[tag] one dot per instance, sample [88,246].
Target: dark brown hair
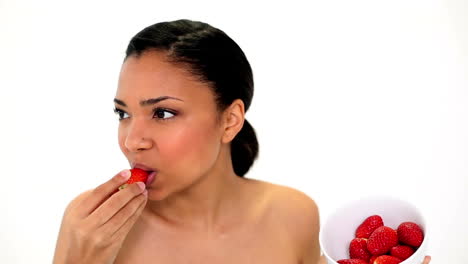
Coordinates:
[213,57]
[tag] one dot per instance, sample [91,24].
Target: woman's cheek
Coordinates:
[121,140]
[190,149]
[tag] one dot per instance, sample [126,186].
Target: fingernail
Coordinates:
[141,185]
[145,192]
[126,174]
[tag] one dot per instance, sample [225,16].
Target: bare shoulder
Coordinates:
[296,214]
[291,205]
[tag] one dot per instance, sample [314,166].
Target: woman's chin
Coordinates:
[156,195]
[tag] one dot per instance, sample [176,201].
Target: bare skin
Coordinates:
[260,232]
[197,210]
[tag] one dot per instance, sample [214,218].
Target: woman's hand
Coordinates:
[96,222]
[426,260]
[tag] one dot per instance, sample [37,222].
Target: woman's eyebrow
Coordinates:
[147,102]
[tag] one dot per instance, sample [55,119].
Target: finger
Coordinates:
[113,205]
[124,221]
[103,192]
[427,259]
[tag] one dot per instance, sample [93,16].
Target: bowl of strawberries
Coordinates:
[375,230]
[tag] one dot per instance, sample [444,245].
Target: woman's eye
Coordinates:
[163,113]
[159,113]
[120,113]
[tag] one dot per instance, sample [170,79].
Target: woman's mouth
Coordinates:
[151,172]
[150,178]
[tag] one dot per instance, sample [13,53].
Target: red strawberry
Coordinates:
[358,249]
[382,240]
[410,233]
[368,226]
[385,259]
[352,261]
[402,252]
[138,175]
[371,261]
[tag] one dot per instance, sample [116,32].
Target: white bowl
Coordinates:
[339,229]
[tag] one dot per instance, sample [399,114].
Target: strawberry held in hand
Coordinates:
[138,175]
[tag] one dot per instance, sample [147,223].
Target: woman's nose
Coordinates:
[137,138]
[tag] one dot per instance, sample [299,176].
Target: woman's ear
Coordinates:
[233,120]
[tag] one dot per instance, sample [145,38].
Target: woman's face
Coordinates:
[178,136]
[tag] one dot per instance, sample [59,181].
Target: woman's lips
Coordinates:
[143,167]
[150,178]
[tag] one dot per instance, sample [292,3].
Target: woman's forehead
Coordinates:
[152,68]
[151,76]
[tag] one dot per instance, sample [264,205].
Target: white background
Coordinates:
[351,98]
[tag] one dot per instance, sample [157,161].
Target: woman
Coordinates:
[183,91]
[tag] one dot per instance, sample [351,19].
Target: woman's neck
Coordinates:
[206,203]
